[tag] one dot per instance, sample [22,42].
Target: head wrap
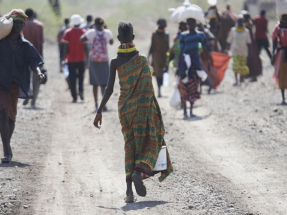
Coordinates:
[19,14]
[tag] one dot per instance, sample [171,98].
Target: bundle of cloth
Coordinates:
[6,22]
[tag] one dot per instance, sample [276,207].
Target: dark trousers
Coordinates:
[263,43]
[76,70]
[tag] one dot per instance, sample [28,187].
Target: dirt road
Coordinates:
[229,160]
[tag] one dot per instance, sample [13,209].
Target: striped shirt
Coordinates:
[189,43]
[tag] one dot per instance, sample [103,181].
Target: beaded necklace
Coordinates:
[127,49]
[240,29]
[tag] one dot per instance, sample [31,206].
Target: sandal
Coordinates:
[130,199]
[140,188]
[6,160]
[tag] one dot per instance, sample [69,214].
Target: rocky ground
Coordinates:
[231,159]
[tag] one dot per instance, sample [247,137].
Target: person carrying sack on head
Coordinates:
[17,55]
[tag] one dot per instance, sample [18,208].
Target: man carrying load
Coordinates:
[16,56]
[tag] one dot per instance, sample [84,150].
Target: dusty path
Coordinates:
[231,160]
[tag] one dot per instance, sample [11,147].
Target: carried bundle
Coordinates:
[194,12]
[176,11]
[6,22]
[281,7]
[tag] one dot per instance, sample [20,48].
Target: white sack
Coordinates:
[176,11]
[212,2]
[6,25]
[194,12]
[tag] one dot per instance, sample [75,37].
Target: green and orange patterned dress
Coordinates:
[141,119]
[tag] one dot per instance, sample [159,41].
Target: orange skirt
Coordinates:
[9,101]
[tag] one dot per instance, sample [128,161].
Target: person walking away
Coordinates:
[16,56]
[253,61]
[239,41]
[139,113]
[60,36]
[89,20]
[279,38]
[214,18]
[227,21]
[261,31]
[158,51]
[75,52]
[34,33]
[99,59]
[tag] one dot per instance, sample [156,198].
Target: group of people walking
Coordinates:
[198,55]
[85,46]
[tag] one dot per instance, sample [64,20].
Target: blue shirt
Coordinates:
[14,65]
[189,43]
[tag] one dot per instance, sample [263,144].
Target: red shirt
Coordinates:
[260,23]
[76,51]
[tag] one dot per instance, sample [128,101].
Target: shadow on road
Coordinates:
[142,205]
[13,164]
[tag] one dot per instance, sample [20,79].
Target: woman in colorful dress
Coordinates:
[279,38]
[139,113]
[189,45]
[239,41]
[158,50]
[99,38]
[253,61]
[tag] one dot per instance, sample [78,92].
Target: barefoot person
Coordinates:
[139,113]
[99,38]
[16,56]
[158,51]
[279,37]
[189,45]
[240,42]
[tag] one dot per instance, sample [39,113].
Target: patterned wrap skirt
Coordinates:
[240,65]
[141,119]
[189,91]
[9,101]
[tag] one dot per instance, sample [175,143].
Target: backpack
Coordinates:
[99,51]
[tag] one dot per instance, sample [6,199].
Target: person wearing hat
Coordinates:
[75,54]
[17,55]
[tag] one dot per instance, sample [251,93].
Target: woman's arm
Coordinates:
[108,92]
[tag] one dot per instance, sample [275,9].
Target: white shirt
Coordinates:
[91,33]
[239,42]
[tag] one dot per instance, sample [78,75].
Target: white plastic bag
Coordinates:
[202,74]
[175,99]
[166,79]
[66,70]
[161,163]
